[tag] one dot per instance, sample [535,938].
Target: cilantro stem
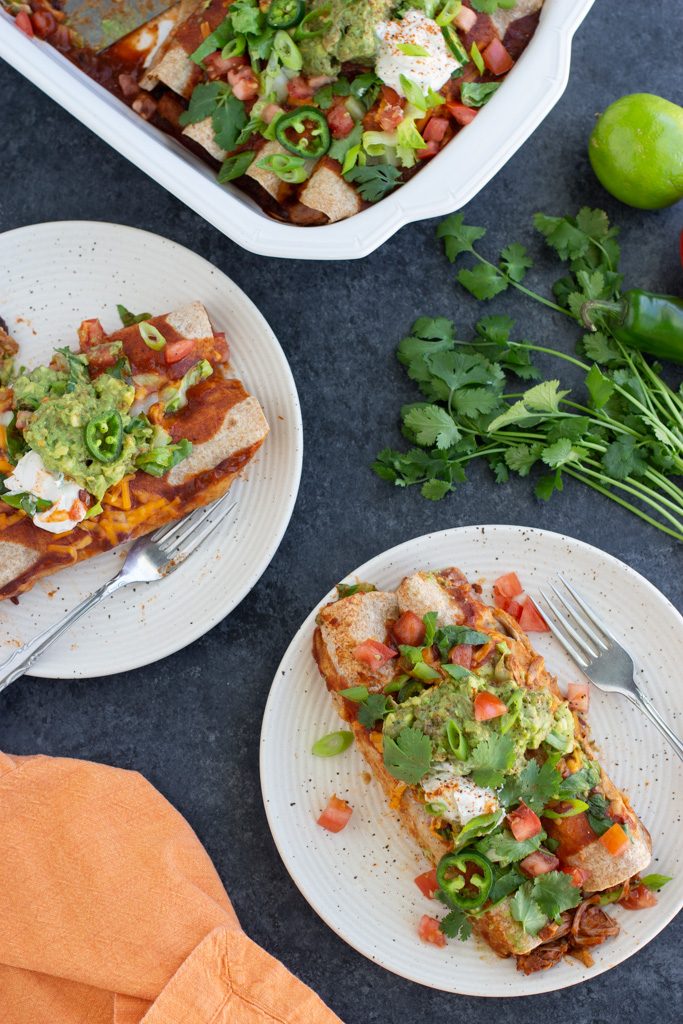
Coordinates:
[667,394]
[634,482]
[620,501]
[635,491]
[521,288]
[550,351]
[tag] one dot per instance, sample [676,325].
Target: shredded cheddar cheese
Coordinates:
[376,740]
[397,795]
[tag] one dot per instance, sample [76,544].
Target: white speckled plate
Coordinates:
[361,880]
[55,275]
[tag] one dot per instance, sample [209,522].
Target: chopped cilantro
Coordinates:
[374,181]
[409,756]
[491,759]
[455,925]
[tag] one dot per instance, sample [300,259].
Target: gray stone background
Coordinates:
[191,723]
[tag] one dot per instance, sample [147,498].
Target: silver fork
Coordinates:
[599,654]
[151,558]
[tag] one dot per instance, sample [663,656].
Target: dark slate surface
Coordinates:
[191,723]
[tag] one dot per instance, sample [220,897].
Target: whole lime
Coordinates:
[636,150]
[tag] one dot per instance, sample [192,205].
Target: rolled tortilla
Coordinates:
[172,65]
[226,426]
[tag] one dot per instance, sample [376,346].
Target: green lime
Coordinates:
[636,150]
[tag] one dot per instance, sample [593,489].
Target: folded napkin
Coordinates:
[112,913]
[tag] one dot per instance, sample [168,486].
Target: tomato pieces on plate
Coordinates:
[496,58]
[374,653]
[487,705]
[429,931]
[638,897]
[531,619]
[524,823]
[615,840]
[578,695]
[409,629]
[461,654]
[336,815]
[539,863]
[174,351]
[427,883]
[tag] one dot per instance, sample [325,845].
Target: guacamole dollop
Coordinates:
[57,432]
[531,719]
[350,37]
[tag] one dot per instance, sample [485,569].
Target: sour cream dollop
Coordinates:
[414,29]
[30,475]
[460,798]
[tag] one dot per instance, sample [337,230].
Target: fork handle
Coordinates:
[641,701]
[20,661]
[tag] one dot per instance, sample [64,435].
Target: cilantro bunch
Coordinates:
[623,437]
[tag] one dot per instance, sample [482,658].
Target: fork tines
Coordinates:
[590,639]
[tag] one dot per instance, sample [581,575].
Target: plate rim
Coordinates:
[600,967]
[194,632]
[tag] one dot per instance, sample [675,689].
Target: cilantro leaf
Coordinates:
[600,387]
[579,783]
[496,329]
[526,910]
[504,849]
[430,424]
[409,756]
[622,458]
[374,181]
[598,816]
[544,397]
[228,120]
[430,619]
[203,102]
[128,319]
[374,709]
[521,457]
[535,785]
[457,236]
[490,6]
[505,884]
[516,261]
[600,348]
[655,882]
[554,892]
[476,94]
[456,926]
[435,489]
[548,484]
[562,235]
[471,402]
[491,758]
[450,636]
[483,281]
[561,452]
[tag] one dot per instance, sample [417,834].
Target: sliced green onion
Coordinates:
[610,897]
[235,166]
[234,48]
[424,672]
[457,671]
[448,12]
[412,50]
[152,337]
[477,58]
[553,739]
[454,45]
[436,808]
[575,807]
[291,169]
[333,743]
[287,50]
[355,693]
[396,684]
[514,706]
[457,740]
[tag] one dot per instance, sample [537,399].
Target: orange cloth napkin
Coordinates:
[112,913]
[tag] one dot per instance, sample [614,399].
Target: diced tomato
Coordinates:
[573,834]
[390,95]
[615,840]
[531,619]
[577,876]
[461,654]
[539,863]
[430,150]
[409,629]
[487,705]
[460,113]
[218,67]
[174,351]
[299,89]
[44,23]
[390,117]
[524,823]
[374,653]
[578,695]
[496,58]
[24,23]
[465,19]
[336,815]
[90,333]
[514,609]
[340,121]
[77,511]
[244,83]
[429,931]
[508,585]
[128,84]
[638,898]
[436,129]
[427,883]
[102,357]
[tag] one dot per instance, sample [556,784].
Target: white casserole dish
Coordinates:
[450,180]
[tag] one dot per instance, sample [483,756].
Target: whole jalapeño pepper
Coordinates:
[642,320]
[465,879]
